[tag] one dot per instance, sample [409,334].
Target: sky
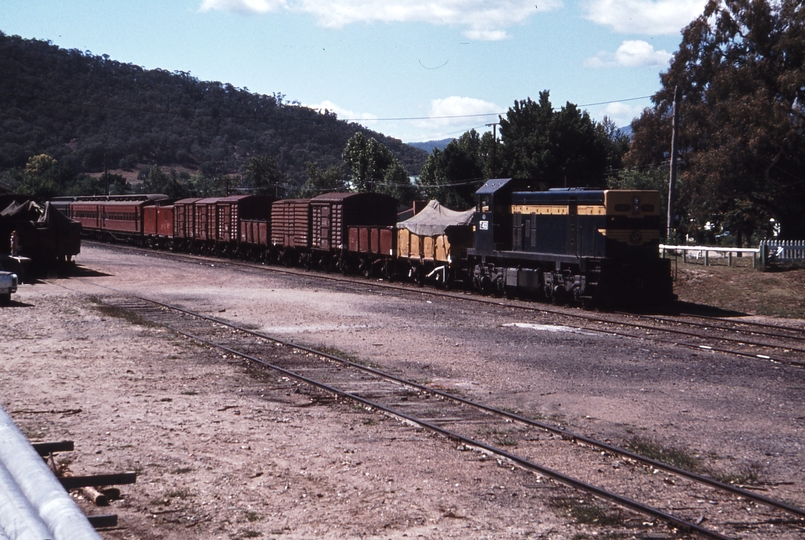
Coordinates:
[416,70]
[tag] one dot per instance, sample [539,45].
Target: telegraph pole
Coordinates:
[672,178]
[494,148]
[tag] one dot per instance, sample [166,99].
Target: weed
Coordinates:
[749,475]
[252,516]
[670,455]
[248,533]
[120,313]
[584,512]
[178,494]
[189,393]
[182,470]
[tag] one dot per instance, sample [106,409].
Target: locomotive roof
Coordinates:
[560,196]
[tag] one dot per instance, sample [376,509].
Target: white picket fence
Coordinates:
[772,251]
[769,252]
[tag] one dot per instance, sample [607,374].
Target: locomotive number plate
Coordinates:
[483,225]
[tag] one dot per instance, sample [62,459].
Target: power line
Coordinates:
[404,118]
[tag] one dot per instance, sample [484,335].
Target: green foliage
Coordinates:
[88,112]
[375,169]
[561,148]
[264,176]
[158,181]
[739,68]
[454,174]
[42,177]
[330,180]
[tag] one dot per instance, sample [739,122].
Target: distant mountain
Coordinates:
[626,130]
[430,145]
[89,112]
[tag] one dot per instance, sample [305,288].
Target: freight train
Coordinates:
[582,245]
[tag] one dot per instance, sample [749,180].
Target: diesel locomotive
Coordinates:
[589,245]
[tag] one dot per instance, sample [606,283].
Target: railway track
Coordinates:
[687,502]
[773,343]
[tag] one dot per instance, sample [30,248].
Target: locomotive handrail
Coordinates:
[708,249]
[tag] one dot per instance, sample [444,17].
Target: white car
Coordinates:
[8,285]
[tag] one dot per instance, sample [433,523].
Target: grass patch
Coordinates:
[248,533]
[120,313]
[338,353]
[666,454]
[252,516]
[585,512]
[743,289]
[748,476]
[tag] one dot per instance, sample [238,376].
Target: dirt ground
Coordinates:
[224,451]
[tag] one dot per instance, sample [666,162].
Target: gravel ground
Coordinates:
[226,452]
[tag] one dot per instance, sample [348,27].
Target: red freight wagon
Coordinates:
[206,219]
[184,218]
[333,214]
[158,220]
[290,223]
[231,210]
[253,231]
[372,240]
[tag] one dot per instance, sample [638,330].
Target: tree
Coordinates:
[42,178]
[368,161]
[741,70]
[453,175]
[561,148]
[396,183]
[158,181]
[265,177]
[330,180]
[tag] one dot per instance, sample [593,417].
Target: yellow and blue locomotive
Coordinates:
[582,244]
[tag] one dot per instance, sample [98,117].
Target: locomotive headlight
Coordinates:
[636,204]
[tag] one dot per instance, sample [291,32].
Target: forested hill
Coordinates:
[87,110]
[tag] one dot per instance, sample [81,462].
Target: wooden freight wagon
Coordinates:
[184,218]
[254,232]
[432,244]
[205,224]
[333,213]
[290,224]
[372,240]
[230,211]
[158,221]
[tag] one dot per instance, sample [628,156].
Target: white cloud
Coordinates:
[448,117]
[651,17]
[621,113]
[484,19]
[632,54]
[342,113]
[242,6]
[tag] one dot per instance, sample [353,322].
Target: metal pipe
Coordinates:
[19,520]
[61,515]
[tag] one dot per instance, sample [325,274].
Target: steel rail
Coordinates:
[724,328]
[515,417]
[559,477]
[443,294]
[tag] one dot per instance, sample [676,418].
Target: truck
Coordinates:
[8,285]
